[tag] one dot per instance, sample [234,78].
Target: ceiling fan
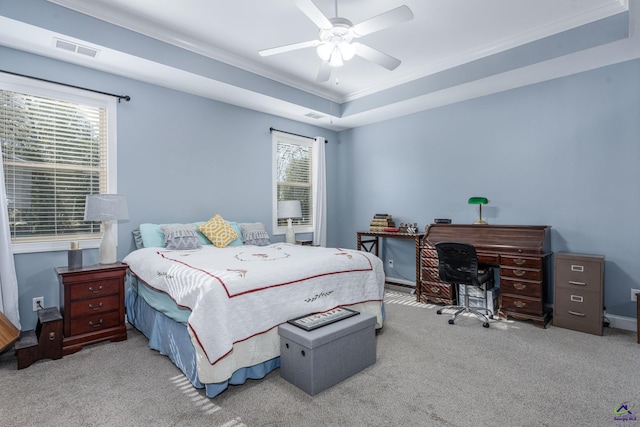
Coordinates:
[335,44]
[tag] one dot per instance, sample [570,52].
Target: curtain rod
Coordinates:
[120,97]
[296,134]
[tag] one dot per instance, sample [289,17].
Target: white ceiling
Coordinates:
[442,35]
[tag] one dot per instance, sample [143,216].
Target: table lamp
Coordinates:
[289,209]
[107,208]
[479,201]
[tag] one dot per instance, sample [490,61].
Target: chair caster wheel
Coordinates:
[451,321]
[439,312]
[491,317]
[486,325]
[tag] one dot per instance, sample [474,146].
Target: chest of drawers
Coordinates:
[92,305]
[432,289]
[578,292]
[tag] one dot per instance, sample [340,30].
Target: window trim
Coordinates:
[52,90]
[275,137]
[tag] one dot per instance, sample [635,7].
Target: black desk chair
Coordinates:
[458,265]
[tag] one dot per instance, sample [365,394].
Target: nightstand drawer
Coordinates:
[94,306]
[95,323]
[84,290]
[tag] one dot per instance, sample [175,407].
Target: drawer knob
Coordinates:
[578,268]
[575,313]
[519,286]
[95,325]
[573,282]
[519,303]
[519,261]
[95,308]
[519,273]
[435,290]
[100,289]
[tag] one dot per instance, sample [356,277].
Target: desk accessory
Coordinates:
[442,221]
[479,201]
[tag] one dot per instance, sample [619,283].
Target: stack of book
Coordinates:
[383,223]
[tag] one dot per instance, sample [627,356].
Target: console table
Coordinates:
[520,251]
[372,243]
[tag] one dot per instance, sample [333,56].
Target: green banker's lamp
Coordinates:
[479,201]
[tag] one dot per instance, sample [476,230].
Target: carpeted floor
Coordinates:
[427,373]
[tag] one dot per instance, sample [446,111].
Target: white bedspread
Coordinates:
[240,292]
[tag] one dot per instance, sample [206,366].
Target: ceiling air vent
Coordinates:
[313,115]
[76,48]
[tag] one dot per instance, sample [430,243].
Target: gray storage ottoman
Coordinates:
[315,360]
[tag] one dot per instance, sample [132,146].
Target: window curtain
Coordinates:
[8,279]
[319,193]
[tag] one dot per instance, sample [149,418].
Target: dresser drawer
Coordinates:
[94,305]
[521,304]
[585,306]
[521,273]
[442,290]
[521,262]
[429,252]
[578,274]
[520,287]
[95,322]
[430,274]
[83,290]
[429,262]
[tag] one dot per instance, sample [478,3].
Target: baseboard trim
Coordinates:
[621,322]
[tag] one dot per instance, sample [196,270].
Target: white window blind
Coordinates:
[54,153]
[293,178]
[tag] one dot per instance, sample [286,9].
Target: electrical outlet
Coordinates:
[38,303]
[390,262]
[634,293]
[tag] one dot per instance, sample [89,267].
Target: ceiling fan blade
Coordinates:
[311,10]
[382,21]
[324,73]
[373,55]
[288,47]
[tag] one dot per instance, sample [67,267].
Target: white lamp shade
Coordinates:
[105,207]
[289,209]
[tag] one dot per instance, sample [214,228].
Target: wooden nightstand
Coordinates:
[92,305]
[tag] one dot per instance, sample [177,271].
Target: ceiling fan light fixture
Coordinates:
[347,50]
[336,58]
[325,50]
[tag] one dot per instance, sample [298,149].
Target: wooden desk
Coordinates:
[373,243]
[522,254]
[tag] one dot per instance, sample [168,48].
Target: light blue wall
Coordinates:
[563,153]
[180,158]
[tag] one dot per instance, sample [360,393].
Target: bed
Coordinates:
[214,311]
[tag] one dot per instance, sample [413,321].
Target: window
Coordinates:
[57,147]
[292,179]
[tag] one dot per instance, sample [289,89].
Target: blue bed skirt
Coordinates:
[172,339]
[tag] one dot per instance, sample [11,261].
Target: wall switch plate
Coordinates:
[634,293]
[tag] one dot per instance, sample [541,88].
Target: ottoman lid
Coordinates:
[328,333]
